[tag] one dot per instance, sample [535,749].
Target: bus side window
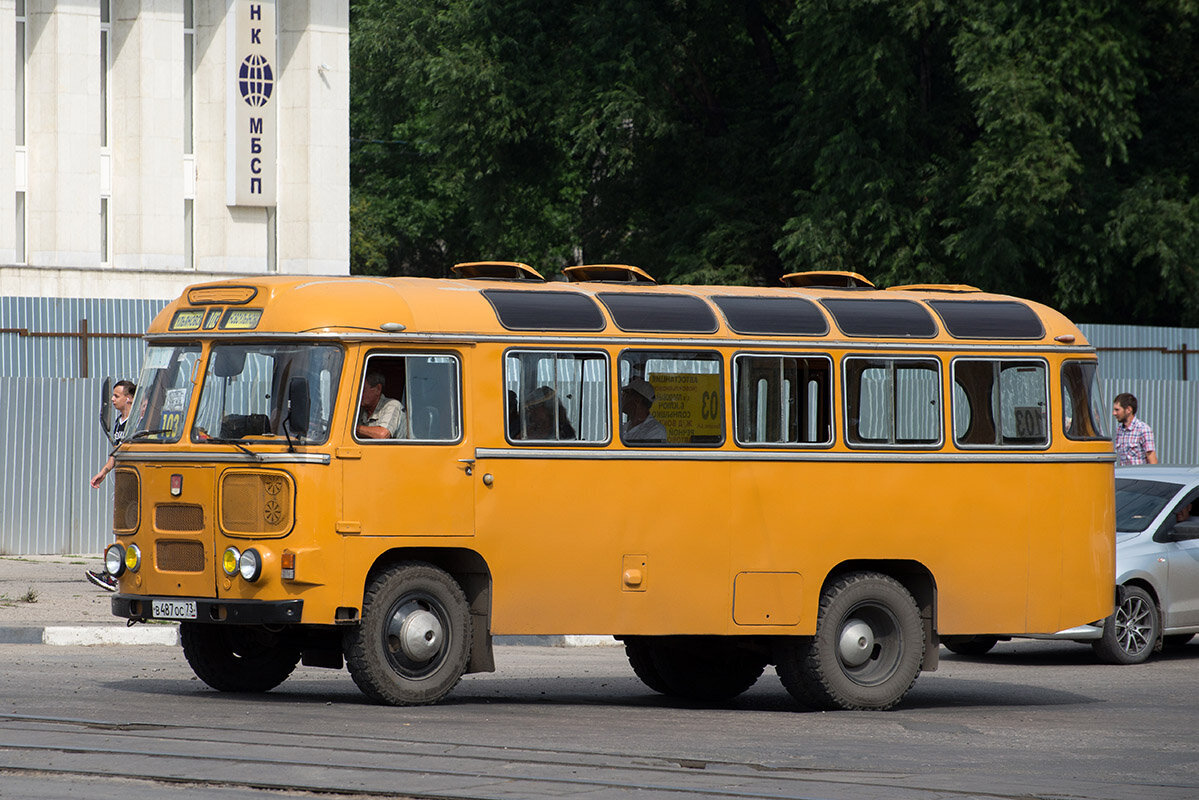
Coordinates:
[892,402]
[556,396]
[783,400]
[419,401]
[1083,418]
[1000,403]
[685,394]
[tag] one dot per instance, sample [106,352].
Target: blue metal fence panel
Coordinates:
[50,446]
[50,438]
[1138,352]
[40,336]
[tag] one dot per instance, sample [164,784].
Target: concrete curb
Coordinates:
[168,635]
[91,635]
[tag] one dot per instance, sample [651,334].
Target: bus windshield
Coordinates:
[266,390]
[164,390]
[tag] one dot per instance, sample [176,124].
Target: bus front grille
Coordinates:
[178,517]
[176,556]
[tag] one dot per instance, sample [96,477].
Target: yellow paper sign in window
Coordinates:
[688,406]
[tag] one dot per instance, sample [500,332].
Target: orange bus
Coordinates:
[825,476]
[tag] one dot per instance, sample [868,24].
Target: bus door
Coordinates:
[406,464]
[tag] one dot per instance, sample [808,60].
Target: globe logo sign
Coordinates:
[255,80]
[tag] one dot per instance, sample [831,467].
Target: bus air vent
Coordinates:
[178,517]
[498,270]
[607,273]
[172,555]
[214,295]
[828,279]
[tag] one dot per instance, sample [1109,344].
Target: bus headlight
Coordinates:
[229,561]
[114,560]
[250,565]
[133,558]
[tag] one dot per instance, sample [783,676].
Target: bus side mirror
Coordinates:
[106,408]
[297,406]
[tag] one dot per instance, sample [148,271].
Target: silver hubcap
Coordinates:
[415,632]
[857,643]
[1133,626]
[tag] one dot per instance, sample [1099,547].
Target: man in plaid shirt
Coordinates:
[1134,439]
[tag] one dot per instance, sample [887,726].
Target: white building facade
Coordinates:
[117,128]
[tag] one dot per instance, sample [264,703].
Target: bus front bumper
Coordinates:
[139,608]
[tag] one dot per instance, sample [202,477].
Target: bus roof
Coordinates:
[370,306]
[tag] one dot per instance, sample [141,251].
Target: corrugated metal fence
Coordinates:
[54,354]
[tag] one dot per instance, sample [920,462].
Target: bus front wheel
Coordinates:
[867,651]
[413,643]
[238,658]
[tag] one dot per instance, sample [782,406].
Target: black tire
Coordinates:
[640,653]
[1176,641]
[704,668]
[867,651]
[238,658]
[970,645]
[1131,634]
[413,643]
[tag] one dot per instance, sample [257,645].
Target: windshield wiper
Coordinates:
[235,443]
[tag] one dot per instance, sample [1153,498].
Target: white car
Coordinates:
[1157,571]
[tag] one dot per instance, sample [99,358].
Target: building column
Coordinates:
[8,139]
[314,122]
[63,124]
[146,128]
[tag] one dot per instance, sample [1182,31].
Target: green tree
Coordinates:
[1039,148]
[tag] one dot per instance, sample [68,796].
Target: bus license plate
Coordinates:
[174,609]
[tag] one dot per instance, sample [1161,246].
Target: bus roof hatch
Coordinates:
[827,279]
[607,273]
[501,270]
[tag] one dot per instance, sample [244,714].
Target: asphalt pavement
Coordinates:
[47,600]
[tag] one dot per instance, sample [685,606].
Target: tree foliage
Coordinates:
[1039,147]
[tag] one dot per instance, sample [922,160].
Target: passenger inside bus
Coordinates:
[640,425]
[379,416]
[541,409]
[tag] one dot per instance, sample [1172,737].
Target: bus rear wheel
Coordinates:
[238,658]
[867,651]
[705,668]
[413,643]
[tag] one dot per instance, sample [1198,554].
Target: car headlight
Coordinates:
[229,561]
[133,558]
[250,565]
[114,560]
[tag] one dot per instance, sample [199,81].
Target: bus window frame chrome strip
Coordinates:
[225,458]
[504,453]
[555,339]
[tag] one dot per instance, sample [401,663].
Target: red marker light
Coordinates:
[176,485]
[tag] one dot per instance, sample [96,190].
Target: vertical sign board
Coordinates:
[251,116]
